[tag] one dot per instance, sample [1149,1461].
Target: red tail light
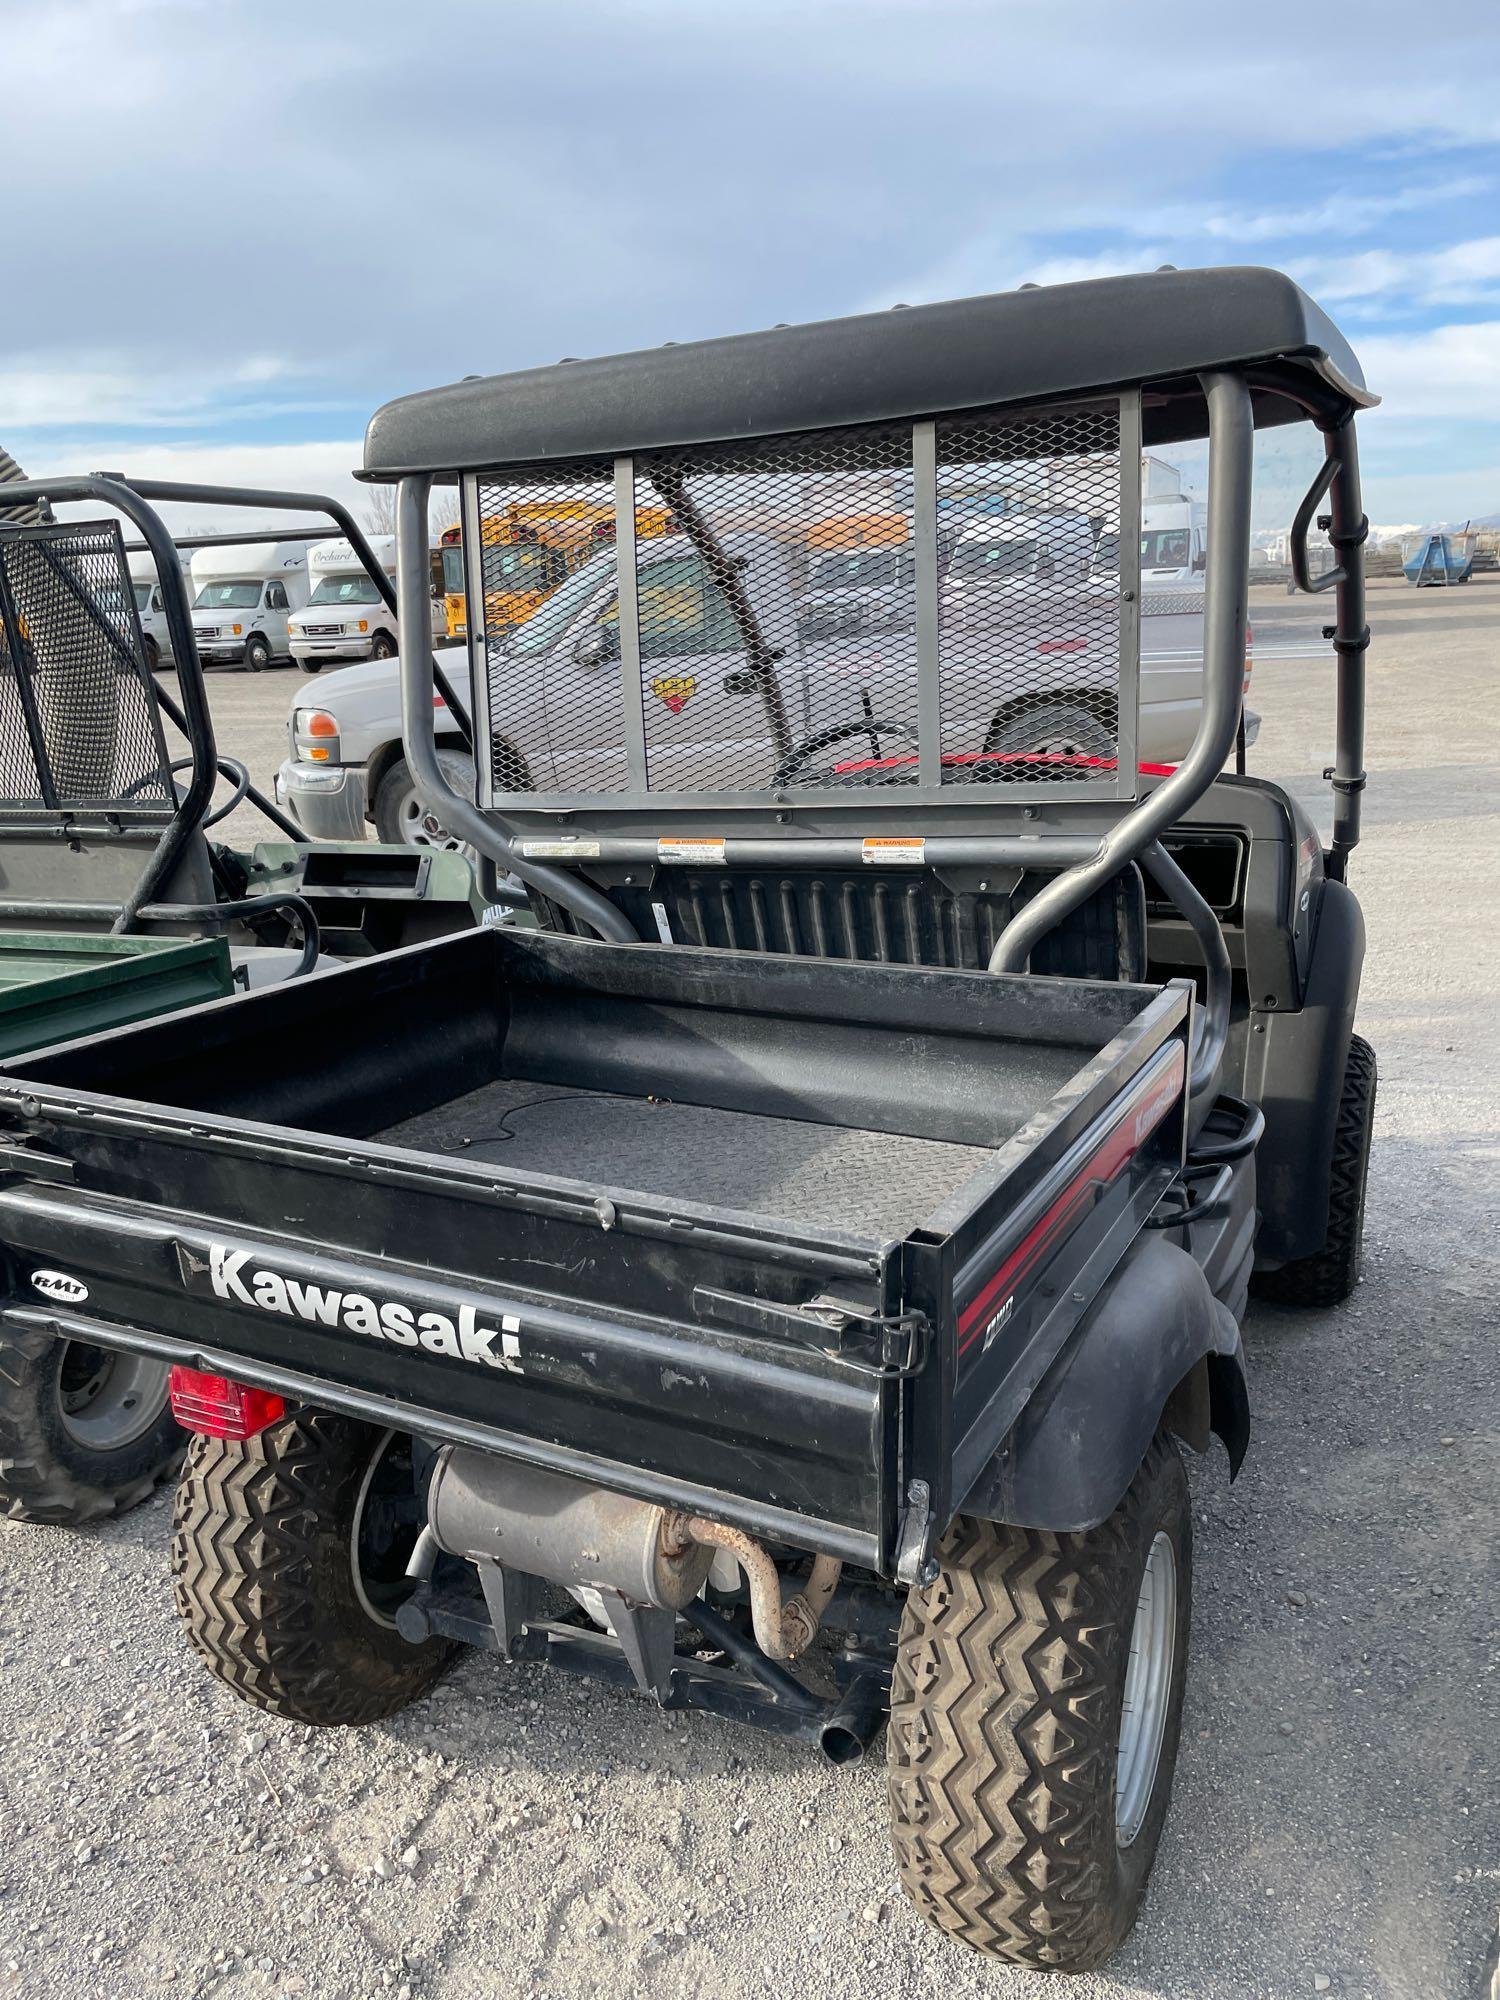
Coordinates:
[215,1407]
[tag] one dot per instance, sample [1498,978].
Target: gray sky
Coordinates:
[234,227]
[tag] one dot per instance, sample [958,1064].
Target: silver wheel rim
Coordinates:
[106,1399]
[1057,734]
[421,828]
[1148,1690]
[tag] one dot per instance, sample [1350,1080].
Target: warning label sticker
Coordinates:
[704,852]
[901,850]
[560,850]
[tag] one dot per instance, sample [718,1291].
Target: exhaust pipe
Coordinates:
[782,1631]
[851,1728]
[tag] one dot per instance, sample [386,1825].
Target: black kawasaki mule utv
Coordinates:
[791,1298]
[107,864]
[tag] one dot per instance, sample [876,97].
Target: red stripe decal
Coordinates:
[1140,1117]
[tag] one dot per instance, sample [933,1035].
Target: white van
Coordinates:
[244,596]
[346,617]
[145,584]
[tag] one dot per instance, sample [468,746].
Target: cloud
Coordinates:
[1448,371]
[1458,274]
[1342,214]
[324,467]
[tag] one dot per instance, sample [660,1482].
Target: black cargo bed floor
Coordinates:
[874,1184]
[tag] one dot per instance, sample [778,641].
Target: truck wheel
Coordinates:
[1333,1272]
[1035,1711]
[401,818]
[257,653]
[382,647]
[1058,728]
[85,1431]
[153,655]
[289,1554]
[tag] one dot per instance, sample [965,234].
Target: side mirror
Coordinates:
[1200,563]
[598,646]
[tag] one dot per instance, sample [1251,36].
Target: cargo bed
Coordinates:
[708,1226]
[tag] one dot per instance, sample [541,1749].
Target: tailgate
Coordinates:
[587,1339]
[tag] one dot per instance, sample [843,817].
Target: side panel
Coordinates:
[1075,1449]
[1025,1266]
[1300,1078]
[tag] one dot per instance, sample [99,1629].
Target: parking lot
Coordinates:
[1335,1824]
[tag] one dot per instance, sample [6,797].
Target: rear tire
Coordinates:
[1329,1276]
[1060,726]
[1024,1819]
[266,1578]
[85,1431]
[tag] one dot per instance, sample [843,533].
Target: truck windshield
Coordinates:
[227,597]
[358,589]
[1164,548]
[847,569]
[544,625]
[988,562]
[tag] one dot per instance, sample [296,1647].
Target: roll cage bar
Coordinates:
[1083,861]
[133,499]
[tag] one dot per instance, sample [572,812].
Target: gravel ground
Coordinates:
[1334,1826]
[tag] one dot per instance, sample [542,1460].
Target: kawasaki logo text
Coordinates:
[236,1276]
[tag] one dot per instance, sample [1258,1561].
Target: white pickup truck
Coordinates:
[346,766]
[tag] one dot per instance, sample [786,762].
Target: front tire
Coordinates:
[257,653]
[1035,1713]
[288,1558]
[402,820]
[382,647]
[1330,1275]
[85,1431]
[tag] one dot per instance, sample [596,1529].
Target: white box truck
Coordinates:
[1174,549]
[346,617]
[244,596]
[145,585]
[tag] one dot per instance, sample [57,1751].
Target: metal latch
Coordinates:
[888,1346]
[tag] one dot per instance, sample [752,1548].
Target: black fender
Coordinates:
[1301,1081]
[1156,1347]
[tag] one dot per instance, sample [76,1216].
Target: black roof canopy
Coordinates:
[1030,346]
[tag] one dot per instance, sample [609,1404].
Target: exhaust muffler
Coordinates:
[545,1524]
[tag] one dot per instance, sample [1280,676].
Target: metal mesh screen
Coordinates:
[552,630]
[800,611]
[1029,622]
[79,726]
[778,616]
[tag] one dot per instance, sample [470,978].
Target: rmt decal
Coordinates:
[236,1275]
